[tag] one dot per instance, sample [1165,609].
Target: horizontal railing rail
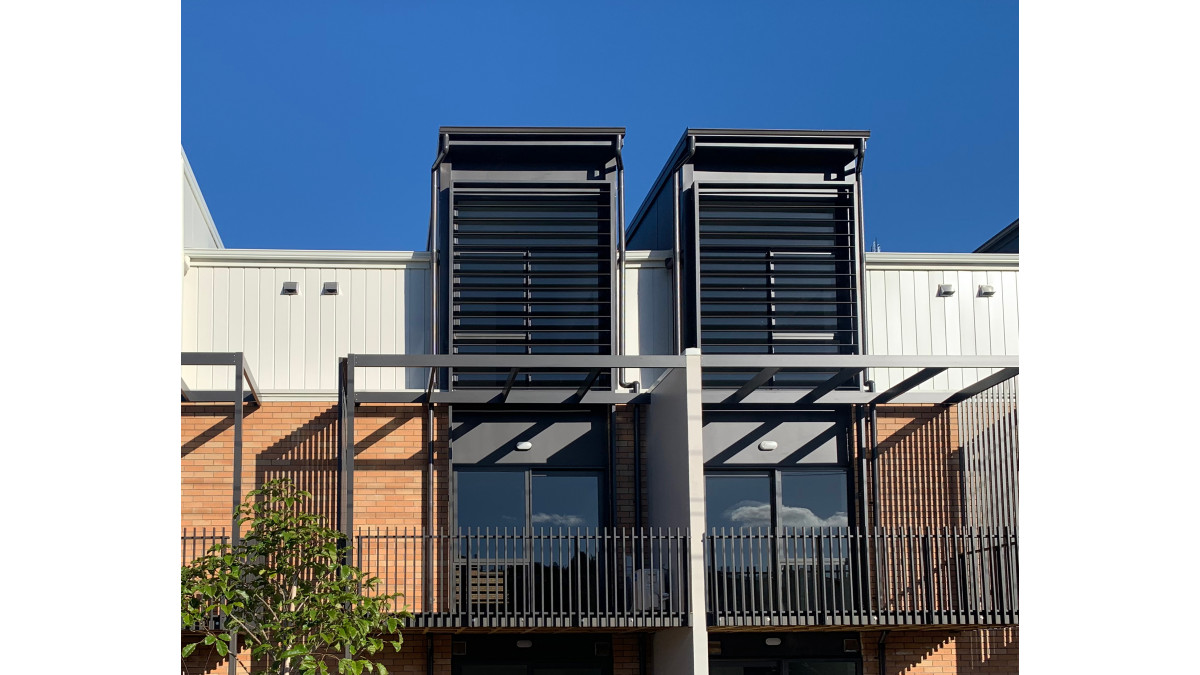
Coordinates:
[849,577]
[551,577]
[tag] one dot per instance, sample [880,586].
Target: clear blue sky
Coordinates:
[313,125]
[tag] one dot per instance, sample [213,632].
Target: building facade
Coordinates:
[722,440]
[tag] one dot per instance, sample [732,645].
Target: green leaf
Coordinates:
[222,648]
[292,653]
[209,639]
[188,649]
[381,668]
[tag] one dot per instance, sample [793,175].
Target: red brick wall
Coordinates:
[298,440]
[410,660]
[625,648]
[990,651]
[626,490]
[920,480]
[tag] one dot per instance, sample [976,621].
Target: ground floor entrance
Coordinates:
[783,667]
[532,654]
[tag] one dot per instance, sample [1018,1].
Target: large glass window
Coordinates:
[738,500]
[813,499]
[565,500]
[491,499]
[806,498]
[556,499]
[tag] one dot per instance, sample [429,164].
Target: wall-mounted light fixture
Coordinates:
[329,288]
[945,290]
[986,291]
[773,642]
[524,445]
[290,288]
[767,446]
[524,644]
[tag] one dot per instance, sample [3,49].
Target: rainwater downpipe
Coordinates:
[637,465]
[675,250]
[875,464]
[444,148]
[635,385]
[882,653]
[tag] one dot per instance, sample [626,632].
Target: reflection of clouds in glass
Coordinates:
[758,514]
[558,519]
[798,516]
[750,514]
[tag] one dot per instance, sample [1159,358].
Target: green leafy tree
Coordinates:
[286,594]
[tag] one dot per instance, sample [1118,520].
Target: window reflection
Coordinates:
[814,499]
[735,501]
[494,499]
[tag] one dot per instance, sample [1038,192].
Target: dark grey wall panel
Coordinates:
[731,438]
[564,439]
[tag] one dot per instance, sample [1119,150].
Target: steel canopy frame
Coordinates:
[238,396]
[349,396]
[847,367]
[243,380]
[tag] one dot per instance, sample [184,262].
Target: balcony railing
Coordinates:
[845,577]
[564,577]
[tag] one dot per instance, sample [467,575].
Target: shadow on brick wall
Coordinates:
[224,424]
[992,651]
[919,465]
[308,457]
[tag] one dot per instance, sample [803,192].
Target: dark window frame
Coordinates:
[775,475]
[528,472]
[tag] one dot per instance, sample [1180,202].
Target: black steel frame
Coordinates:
[243,381]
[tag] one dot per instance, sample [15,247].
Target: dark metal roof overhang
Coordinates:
[583,394]
[527,144]
[850,144]
[844,369]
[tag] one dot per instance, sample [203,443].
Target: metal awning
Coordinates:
[584,393]
[246,389]
[844,369]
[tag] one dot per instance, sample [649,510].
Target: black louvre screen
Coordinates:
[531,274]
[777,276]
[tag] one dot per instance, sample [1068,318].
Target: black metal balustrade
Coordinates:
[846,577]
[195,543]
[560,577]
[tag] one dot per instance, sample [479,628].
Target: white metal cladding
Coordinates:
[648,310]
[904,314]
[199,231]
[233,301]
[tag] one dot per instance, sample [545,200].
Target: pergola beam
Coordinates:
[922,376]
[986,383]
[761,378]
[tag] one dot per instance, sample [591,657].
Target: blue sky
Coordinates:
[313,125]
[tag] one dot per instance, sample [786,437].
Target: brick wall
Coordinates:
[410,660]
[298,440]
[626,490]
[920,480]
[990,651]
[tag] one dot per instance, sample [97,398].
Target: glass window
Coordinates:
[494,499]
[813,499]
[736,501]
[565,500]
